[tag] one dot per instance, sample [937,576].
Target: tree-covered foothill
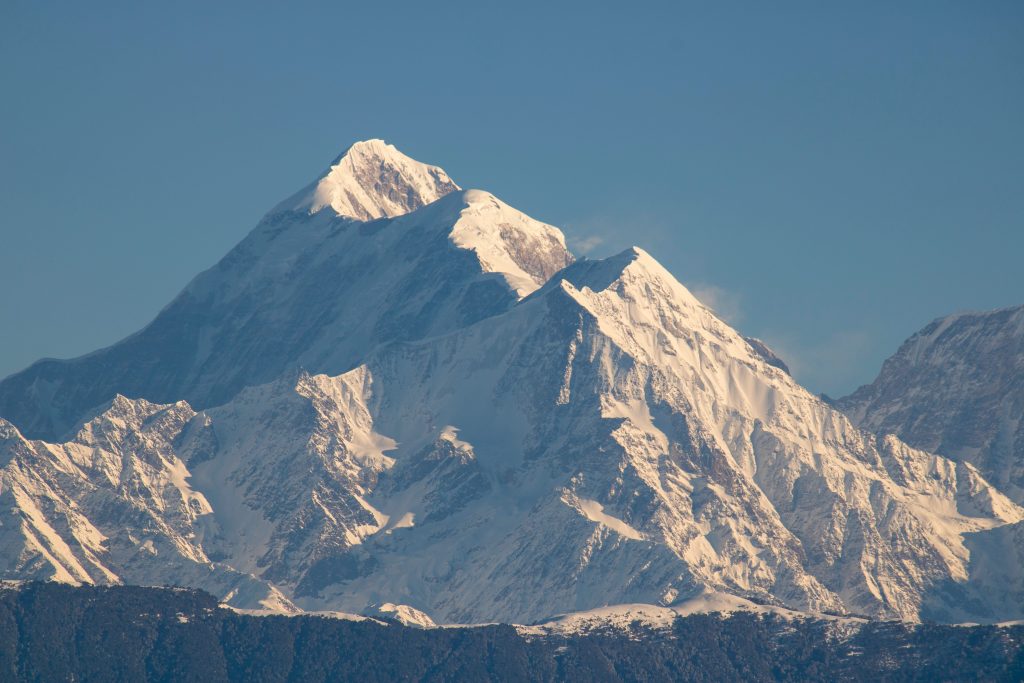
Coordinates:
[54,632]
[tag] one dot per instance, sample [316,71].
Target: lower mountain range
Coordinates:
[52,632]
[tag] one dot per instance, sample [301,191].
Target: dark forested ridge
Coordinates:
[53,632]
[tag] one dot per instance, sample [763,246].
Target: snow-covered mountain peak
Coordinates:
[629,270]
[371,180]
[526,252]
[637,275]
[632,289]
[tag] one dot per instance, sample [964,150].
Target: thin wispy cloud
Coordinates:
[725,303]
[831,365]
[611,231]
[585,244]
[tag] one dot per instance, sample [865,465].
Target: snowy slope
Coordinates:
[312,290]
[956,388]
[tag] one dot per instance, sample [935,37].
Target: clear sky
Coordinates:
[829,176]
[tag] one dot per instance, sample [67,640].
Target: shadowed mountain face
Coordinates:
[439,411]
[313,288]
[956,388]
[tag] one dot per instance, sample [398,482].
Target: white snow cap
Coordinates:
[371,180]
[507,241]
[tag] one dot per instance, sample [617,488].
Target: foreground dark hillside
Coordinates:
[52,632]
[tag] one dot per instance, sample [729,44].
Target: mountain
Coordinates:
[439,414]
[956,388]
[328,274]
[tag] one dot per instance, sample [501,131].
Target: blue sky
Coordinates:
[830,176]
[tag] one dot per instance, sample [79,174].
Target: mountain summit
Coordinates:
[371,180]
